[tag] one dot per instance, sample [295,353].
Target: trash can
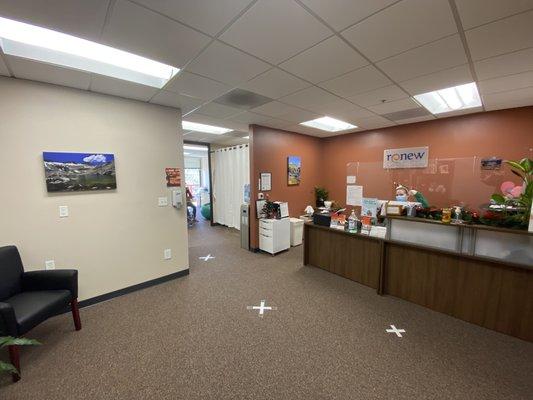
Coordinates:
[297,231]
[245,226]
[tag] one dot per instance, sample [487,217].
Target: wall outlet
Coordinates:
[167,254]
[49,264]
[63,211]
[162,201]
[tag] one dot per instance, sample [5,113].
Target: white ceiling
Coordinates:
[356,60]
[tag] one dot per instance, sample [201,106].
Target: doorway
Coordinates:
[197,176]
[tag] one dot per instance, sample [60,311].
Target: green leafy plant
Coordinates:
[321,195]
[11,341]
[269,209]
[524,170]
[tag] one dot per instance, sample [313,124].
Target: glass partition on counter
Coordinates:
[444,182]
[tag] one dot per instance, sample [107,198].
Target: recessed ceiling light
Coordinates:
[328,124]
[199,148]
[44,45]
[246,137]
[450,99]
[194,126]
[186,154]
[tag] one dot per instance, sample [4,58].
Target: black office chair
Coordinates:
[29,298]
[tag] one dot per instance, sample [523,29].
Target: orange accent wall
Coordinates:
[504,133]
[269,149]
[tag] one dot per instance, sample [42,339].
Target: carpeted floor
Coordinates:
[194,338]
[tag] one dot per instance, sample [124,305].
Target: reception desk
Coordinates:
[479,274]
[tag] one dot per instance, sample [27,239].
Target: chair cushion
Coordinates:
[32,308]
[11,271]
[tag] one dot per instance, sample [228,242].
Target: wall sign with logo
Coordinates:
[410,157]
[173,177]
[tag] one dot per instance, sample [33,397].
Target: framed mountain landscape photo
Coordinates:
[294,165]
[73,172]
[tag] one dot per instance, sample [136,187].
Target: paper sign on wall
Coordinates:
[350,179]
[354,195]
[173,177]
[409,157]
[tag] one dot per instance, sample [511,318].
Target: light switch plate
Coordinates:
[167,254]
[162,201]
[50,264]
[63,211]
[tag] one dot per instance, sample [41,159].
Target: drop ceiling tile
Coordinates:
[432,57]
[217,110]
[249,117]
[394,106]
[324,61]
[506,64]
[505,83]
[379,96]
[375,122]
[404,25]
[356,82]
[171,99]
[310,98]
[275,83]
[277,124]
[205,119]
[206,15]
[3,67]
[196,86]
[138,30]
[342,13]
[226,64]
[116,87]
[438,80]
[416,119]
[297,115]
[280,110]
[79,18]
[476,12]
[503,36]
[275,30]
[509,99]
[342,109]
[35,71]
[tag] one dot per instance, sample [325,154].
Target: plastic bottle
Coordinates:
[352,222]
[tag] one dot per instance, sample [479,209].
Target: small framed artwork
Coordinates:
[265,181]
[294,166]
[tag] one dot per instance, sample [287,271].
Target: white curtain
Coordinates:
[232,172]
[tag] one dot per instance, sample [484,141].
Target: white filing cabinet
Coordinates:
[274,235]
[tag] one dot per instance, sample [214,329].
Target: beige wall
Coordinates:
[115,239]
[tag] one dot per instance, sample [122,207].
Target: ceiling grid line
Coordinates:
[462,35]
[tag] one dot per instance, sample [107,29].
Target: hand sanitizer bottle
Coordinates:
[352,222]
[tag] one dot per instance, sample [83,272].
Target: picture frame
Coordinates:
[265,179]
[294,170]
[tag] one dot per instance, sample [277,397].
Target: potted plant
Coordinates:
[321,195]
[515,207]
[6,341]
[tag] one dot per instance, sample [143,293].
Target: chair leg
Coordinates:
[76,314]
[14,357]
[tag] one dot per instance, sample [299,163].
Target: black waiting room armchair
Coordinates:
[29,298]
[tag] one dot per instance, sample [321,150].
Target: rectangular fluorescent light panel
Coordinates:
[199,148]
[44,45]
[450,99]
[194,126]
[328,124]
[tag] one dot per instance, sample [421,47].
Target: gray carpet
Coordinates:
[194,338]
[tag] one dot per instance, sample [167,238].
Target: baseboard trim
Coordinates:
[134,288]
